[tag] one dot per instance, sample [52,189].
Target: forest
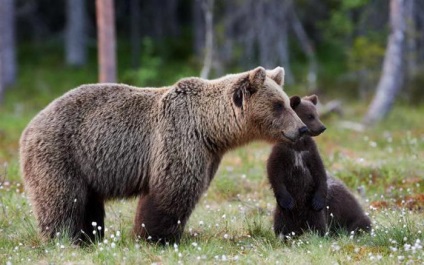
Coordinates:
[364,59]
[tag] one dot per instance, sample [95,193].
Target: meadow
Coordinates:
[382,165]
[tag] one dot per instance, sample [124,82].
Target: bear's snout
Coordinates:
[303,130]
[318,131]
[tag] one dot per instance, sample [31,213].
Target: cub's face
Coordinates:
[267,108]
[306,109]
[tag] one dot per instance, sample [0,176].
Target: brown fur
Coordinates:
[344,211]
[297,176]
[105,141]
[302,191]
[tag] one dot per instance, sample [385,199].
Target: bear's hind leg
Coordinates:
[286,223]
[93,226]
[317,223]
[58,208]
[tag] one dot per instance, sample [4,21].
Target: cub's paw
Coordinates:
[286,202]
[318,202]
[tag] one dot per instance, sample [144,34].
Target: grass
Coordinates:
[233,221]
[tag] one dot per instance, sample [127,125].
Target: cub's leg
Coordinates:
[287,223]
[316,222]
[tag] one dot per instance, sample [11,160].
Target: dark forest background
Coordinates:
[333,48]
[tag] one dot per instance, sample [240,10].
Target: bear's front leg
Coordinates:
[318,201]
[285,200]
[157,225]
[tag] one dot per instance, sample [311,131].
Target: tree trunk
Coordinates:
[76,37]
[135,33]
[7,42]
[106,40]
[198,29]
[306,46]
[2,86]
[411,34]
[392,77]
[207,6]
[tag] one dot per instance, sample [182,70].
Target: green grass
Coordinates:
[233,221]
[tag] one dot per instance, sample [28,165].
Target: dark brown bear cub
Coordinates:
[344,211]
[302,187]
[298,178]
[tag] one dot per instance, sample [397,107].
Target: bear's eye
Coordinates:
[311,116]
[278,106]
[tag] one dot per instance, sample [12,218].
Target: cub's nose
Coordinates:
[323,128]
[304,130]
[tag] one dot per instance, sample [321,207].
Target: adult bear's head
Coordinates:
[265,107]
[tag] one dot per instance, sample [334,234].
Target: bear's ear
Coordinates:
[256,78]
[294,101]
[277,75]
[248,84]
[313,99]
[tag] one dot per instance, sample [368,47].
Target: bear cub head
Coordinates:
[306,109]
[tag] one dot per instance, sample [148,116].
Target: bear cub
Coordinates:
[344,211]
[302,187]
[298,178]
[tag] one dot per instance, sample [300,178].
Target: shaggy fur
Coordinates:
[297,176]
[105,141]
[302,187]
[344,212]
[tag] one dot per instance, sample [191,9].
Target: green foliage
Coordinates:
[159,70]
[151,64]
[340,23]
[365,54]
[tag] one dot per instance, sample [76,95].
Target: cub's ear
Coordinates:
[277,75]
[312,98]
[294,101]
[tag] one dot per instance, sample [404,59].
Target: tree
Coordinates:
[7,42]
[2,86]
[106,40]
[306,46]
[135,33]
[207,6]
[76,37]
[391,79]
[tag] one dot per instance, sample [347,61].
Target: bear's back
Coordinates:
[100,129]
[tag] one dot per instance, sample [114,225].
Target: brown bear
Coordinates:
[104,141]
[344,212]
[300,191]
[298,178]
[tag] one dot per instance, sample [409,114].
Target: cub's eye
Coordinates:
[278,106]
[311,116]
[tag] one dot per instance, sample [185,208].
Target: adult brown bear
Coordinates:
[106,141]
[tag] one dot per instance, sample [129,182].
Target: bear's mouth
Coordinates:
[317,132]
[290,139]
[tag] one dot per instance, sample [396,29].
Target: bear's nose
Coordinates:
[323,128]
[303,130]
